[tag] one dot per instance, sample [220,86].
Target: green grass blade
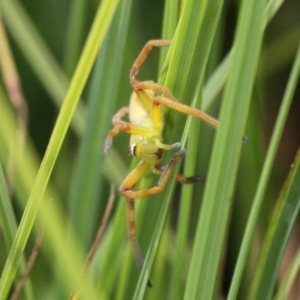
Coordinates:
[99,28]
[170,20]
[102,98]
[42,61]
[8,220]
[68,254]
[288,203]
[281,224]
[145,274]
[194,35]
[190,27]
[75,34]
[224,162]
[289,278]
[217,81]
[182,238]
[9,226]
[265,174]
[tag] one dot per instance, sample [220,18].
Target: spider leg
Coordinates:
[191,179]
[134,194]
[122,126]
[129,182]
[188,110]
[131,228]
[126,190]
[170,101]
[180,177]
[119,115]
[153,86]
[143,55]
[138,254]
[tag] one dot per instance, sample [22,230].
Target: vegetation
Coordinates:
[65,72]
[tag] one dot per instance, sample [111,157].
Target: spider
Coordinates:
[146,143]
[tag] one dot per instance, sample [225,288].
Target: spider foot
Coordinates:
[107,145]
[160,145]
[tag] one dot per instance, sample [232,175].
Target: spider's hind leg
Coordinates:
[180,177]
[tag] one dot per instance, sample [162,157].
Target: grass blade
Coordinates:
[217,198]
[279,229]
[265,174]
[290,277]
[194,35]
[281,224]
[96,36]
[9,225]
[104,85]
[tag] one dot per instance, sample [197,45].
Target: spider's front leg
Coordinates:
[121,126]
[148,85]
[143,55]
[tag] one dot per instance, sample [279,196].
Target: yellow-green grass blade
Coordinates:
[87,193]
[98,31]
[25,169]
[42,61]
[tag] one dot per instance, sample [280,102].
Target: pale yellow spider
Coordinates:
[146,126]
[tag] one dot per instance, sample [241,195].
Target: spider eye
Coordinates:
[133,149]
